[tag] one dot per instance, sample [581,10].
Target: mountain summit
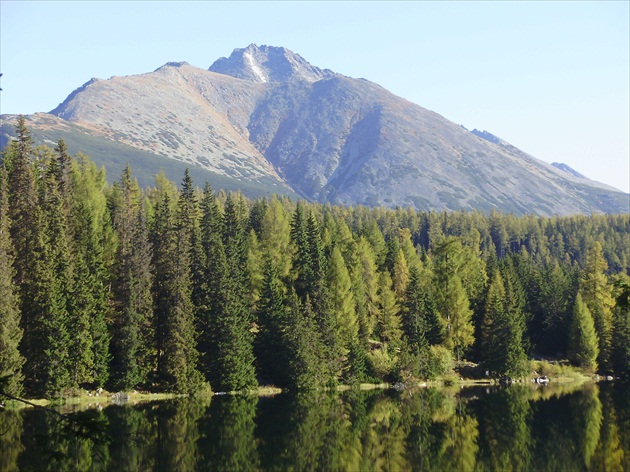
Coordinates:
[268,64]
[265,117]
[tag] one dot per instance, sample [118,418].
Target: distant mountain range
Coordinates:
[265,120]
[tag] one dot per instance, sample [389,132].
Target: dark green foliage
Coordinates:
[11,360]
[128,288]
[272,353]
[234,339]
[175,333]
[306,370]
[132,282]
[502,331]
[209,269]
[621,332]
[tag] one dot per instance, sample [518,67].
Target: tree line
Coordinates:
[183,289]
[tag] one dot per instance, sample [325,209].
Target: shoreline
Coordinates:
[99,400]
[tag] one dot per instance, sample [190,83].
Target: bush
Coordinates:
[440,362]
[383,364]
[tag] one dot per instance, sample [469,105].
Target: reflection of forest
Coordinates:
[516,428]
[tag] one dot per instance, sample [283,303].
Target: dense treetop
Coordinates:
[177,288]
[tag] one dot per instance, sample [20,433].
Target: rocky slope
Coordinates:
[265,115]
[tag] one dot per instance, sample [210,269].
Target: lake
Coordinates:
[562,427]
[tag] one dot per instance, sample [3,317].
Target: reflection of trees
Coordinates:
[177,434]
[622,408]
[609,455]
[54,442]
[227,441]
[504,424]
[134,437]
[11,447]
[384,438]
[425,430]
[459,449]
[587,411]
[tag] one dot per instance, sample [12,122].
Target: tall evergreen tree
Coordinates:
[597,295]
[583,342]
[306,370]
[342,302]
[235,352]
[175,335]
[620,353]
[272,353]
[25,231]
[11,360]
[501,342]
[365,286]
[388,328]
[132,281]
[208,283]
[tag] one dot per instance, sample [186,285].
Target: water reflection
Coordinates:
[510,429]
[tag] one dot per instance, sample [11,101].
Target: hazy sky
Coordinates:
[552,78]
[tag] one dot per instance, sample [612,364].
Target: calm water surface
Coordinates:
[515,428]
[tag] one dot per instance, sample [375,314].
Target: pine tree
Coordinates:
[415,323]
[365,286]
[306,370]
[235,352]
[342,302]
[51,295]
[583,342]
[132,283]
[451,297]
[502,331]
[400,275]
[208,286]
[272,354]
[388,328]
[11,360]
[25,230]
[175,335]
[597,295]
[620,354]
[275,236]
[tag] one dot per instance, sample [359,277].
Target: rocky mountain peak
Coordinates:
[268,64]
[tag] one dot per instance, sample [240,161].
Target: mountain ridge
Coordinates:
[325,136]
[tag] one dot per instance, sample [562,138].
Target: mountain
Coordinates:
[265,117]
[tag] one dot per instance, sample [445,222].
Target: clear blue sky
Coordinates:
[552,78]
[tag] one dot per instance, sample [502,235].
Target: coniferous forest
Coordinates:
[179,288]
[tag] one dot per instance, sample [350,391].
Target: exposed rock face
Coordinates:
[265,113]
[268,64]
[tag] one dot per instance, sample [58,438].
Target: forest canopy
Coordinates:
[180,288]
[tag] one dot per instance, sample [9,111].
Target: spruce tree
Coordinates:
[132,283]
[25,229]
[502,331]
[583,342]
[11,360]
[306,370]
[620,353]
[272,353]
[208,294]
[174,312]
[414,316]
[235,352]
